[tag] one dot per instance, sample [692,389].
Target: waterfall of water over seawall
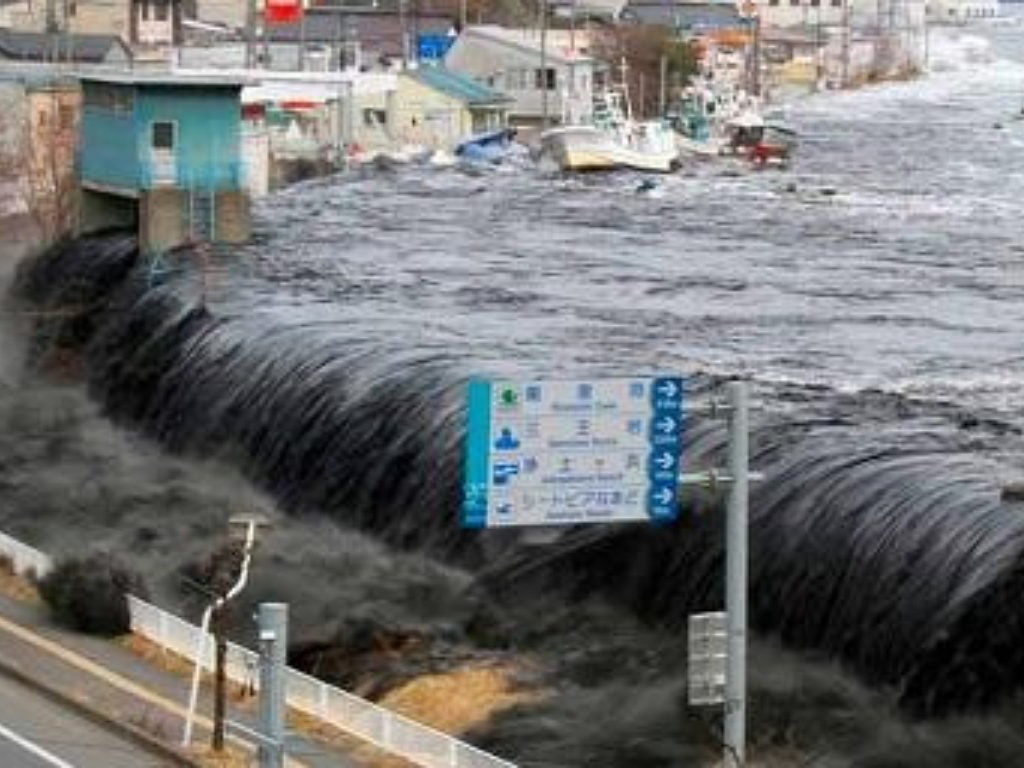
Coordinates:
[890,549]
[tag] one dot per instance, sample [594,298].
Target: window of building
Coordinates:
[163,135]
[794,2]
[373,118]
[773,2]
[837,3]
[161,9]
[815,3]
[545,79]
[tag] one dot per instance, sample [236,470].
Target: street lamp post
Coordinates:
[247,527]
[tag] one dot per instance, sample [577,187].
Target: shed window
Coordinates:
[163,135]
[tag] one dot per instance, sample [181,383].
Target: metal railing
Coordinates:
[25,560]
[413,741]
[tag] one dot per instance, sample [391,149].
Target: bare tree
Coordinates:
[48,177]
[642,47]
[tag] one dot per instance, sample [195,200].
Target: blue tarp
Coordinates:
[434,47]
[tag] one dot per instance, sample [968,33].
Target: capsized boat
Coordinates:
[614,140]
[489,147]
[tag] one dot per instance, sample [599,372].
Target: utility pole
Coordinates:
[405,33]
[219,679]
[757,53]
[302,37]
[662,76]
[250,34]
[543,65]
[462,16]
[273,639]
[246,527]
[736,530]
[845,76]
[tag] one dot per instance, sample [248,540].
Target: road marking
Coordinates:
[78,661]
[35,749]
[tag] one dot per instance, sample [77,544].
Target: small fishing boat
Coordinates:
[761,142]
[614,140]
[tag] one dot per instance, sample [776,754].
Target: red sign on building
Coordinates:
[283,11]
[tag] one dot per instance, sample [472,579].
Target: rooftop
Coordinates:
[378,31]
[690,15]
[461,87]
[167,79]
[40,46]
[558,43]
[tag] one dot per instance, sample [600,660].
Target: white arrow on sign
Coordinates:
[664,461]
[668,389]
[664,496]
[667,424]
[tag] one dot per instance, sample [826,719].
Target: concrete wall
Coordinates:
[256,160]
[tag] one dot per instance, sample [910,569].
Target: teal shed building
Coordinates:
[163,152]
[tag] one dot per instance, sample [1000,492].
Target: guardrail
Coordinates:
[392,732]
[413,741]
[25,560]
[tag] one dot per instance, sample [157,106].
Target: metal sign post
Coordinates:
[736,577]
[273,628]
[544,453]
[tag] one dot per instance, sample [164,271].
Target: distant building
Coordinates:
[688,19]
[438,108]
[511,60]
[962,11]
[357,38]
[163,152]
[40,47]
[39,116]
[142,23]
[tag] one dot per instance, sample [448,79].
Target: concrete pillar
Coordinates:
[233,222]
[163,218]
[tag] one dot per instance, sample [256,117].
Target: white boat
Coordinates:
[614,140]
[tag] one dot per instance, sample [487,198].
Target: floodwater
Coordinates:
[872,294]
[889,257]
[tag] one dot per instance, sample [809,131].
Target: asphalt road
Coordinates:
[35,732]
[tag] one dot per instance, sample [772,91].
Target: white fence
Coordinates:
[24,559]
[399,735]
[415,742]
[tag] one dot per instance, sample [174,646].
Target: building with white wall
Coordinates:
[510,60]
[961,11]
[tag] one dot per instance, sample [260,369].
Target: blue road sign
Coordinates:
[569,452]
